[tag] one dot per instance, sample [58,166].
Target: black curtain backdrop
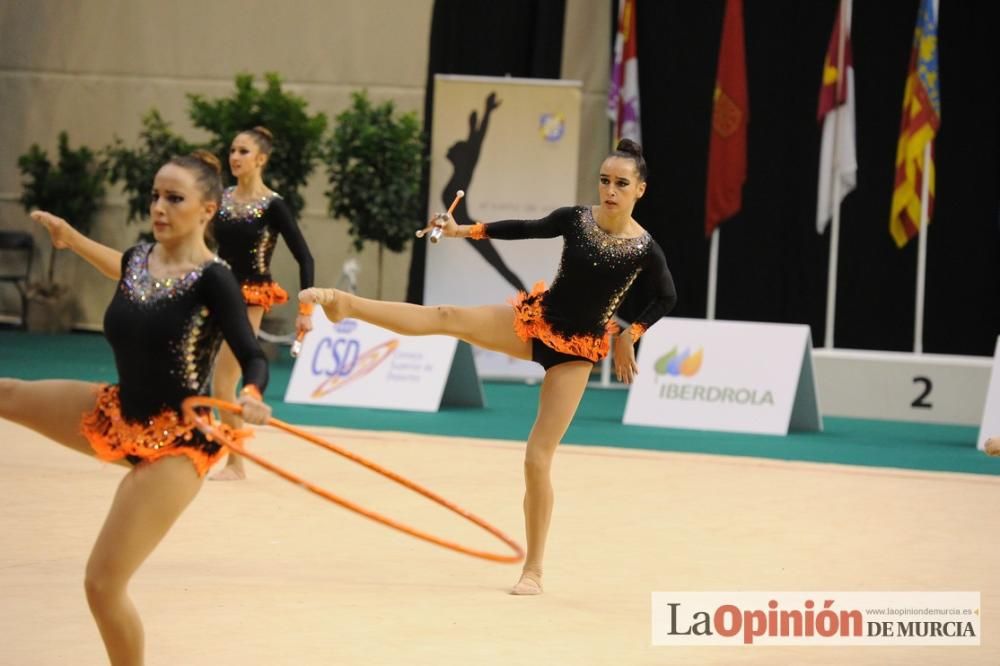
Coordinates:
[519,38]
[772,263]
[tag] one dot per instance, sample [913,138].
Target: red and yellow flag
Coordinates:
[727,150]
[921,120]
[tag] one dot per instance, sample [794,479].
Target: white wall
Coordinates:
[94,67]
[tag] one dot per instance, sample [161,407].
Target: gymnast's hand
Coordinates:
[255,410]
[303,324]
[443,221]
[59,229]
[625,366]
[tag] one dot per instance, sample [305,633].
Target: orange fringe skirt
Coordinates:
[529,322]
[264,294]
[166,434]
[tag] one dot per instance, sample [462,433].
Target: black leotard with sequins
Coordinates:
[595,272]
[248,232]
[165,333]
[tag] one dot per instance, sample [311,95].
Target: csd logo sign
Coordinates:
[341,361]
[674,364]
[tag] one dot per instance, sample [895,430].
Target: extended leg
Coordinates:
[487,326]
[50,407]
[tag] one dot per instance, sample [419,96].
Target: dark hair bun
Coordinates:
[629,147]
[260,129]
[209,159]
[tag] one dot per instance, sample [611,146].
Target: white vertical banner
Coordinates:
[991,413]
[512,146]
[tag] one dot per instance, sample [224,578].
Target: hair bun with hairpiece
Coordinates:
[630,147]
[208,158]
[260,129]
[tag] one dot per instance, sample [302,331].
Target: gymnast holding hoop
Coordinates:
[565,328]
[175,304]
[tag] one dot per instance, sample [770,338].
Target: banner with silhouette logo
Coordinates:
[512,146]
[725,375]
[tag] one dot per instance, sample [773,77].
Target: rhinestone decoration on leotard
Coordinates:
[139,286]
[246,211]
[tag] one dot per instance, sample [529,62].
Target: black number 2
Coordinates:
[921,400]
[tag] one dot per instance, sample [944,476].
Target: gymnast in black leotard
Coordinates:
[247,226]
[566,328]
[576,316]
[175,304]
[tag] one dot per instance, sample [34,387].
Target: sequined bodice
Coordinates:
[595,272]
[246,235]
[162,335]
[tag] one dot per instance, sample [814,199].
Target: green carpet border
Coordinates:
[510,410]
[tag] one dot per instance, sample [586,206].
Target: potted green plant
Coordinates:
[374,160]
[136,167]
[298,135]
[73,189]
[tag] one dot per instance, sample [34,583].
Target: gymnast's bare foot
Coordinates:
[333,301]
[233,471]
[992,447]
[530,583]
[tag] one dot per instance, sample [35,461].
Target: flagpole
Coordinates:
[831,276]
[925,182]
[918,319]
[713,273]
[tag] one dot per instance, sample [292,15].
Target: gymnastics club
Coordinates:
[436,232]
[297,345]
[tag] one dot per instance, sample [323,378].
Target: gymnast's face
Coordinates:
[620,186]
[178,207]
[245,157]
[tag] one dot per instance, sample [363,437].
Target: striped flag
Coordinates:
[623,93]
[727,150]
[837,157]
[920,123]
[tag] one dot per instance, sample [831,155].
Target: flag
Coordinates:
[727,151]
[623,93]
[921,120]
[837,158]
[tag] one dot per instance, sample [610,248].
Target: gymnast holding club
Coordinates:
[566,328]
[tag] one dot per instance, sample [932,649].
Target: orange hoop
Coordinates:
[192,403]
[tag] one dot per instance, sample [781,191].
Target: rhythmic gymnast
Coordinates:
[175,304]
[247,227]
[565,328]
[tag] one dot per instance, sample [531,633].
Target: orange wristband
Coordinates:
[306,309]
[478,231]
[253,392]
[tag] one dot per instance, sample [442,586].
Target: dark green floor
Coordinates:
[511,409]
